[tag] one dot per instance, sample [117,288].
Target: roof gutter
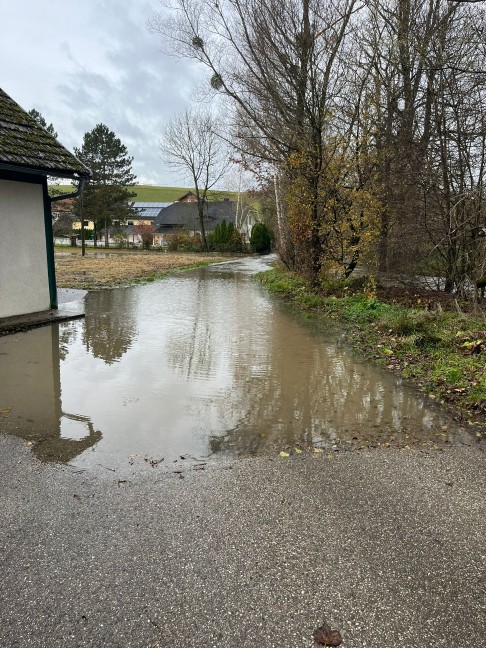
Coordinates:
[78,192]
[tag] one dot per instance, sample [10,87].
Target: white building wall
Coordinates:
[24,285]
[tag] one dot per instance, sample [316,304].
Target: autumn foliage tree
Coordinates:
[369,119]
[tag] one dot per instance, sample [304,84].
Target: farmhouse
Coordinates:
[185,215]
[188,197]
[28,154]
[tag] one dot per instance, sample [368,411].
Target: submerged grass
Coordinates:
[116,270]
[442,352]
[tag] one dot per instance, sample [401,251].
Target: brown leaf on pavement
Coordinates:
[327,637]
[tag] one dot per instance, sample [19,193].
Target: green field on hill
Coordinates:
[153,193]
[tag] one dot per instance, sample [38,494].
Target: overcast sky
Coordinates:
[84,62]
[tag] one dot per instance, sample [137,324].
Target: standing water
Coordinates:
[203,363]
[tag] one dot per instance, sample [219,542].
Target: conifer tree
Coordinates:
[107,195]
[35,114]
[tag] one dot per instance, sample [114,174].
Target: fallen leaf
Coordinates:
[284,454]
[298,450]
[327,637]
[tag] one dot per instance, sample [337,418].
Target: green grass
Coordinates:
[442,353]
[153,193]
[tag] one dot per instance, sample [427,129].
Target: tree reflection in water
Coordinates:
[204,362]
[268,379]
[110,323]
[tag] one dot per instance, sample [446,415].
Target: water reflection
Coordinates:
[110,324]
[30,395]
[203,363]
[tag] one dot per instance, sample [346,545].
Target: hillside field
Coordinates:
[154,193]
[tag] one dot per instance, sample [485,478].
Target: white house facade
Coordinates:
[28,154]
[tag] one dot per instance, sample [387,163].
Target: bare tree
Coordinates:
[191,146]
[425,96]
[278,62]
[365,115]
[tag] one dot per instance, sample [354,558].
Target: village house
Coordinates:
[188,197]
[184,215]
[144,213]
[166,217]
[28,155]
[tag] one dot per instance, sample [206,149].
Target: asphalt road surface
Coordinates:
[386,545]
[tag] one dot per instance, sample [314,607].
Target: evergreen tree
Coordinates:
[260,239]
[226,238]
[107,195]
[35,114]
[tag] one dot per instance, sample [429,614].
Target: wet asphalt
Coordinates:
[386,545]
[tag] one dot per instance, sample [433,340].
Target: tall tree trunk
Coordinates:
[200,210]
[284,244]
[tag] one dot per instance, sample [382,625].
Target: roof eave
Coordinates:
[57,173]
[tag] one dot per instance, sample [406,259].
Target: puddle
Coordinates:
[203,364]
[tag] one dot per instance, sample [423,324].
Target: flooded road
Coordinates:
[201,364]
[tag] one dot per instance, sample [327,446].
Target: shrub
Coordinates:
[120,238]
[345,287]
[260,239]
[181,240]
[146,233]
[225,238]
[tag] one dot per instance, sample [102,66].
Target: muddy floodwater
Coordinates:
[202,364]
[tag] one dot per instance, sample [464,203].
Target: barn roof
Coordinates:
[27,147]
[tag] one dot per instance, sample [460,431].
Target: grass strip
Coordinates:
[441,352]
[97,271]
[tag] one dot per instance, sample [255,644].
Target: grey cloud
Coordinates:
[143,94]
[97,63]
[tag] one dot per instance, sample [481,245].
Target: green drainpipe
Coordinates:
[51,268]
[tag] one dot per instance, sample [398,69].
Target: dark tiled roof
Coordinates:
[26,146]
[186,215]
